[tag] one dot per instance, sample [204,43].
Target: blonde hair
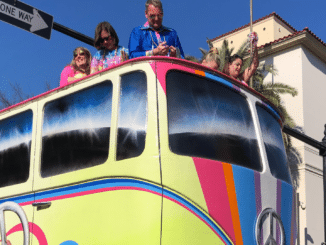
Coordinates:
[88,57]
[212,54]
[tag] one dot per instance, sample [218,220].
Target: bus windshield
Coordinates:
[208,120]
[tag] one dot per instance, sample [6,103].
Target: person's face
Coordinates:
[154,16]
[80,57]
[235,68]
[211,64]
[107,41]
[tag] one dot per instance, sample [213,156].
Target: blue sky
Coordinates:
[31,61]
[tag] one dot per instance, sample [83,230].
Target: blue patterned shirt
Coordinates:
[143,38]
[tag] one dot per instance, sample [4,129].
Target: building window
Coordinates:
[76,130]
[15,145]
[209,120]
[132,115]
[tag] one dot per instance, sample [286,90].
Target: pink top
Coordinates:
[68,71]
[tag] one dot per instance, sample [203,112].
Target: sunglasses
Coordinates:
[105,39]
[159,16]
[81,53]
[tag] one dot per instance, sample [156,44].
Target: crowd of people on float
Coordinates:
[149,39]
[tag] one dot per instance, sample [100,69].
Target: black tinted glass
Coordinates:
[132,115]
[209,120]
[76,130]
[15,144]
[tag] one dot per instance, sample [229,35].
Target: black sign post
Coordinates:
[26,17]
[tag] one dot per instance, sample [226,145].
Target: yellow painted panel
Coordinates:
[180,226]
[113,217]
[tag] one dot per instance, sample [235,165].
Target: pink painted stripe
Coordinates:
[173,200]
[212,179]
[278,206]
[26,203]
[162,68]
[258,200]
[34,229]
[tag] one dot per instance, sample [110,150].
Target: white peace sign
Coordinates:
[14,207]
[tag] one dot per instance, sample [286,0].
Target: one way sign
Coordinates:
[26,17]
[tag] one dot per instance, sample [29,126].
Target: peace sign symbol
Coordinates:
[269,215]
[14,207]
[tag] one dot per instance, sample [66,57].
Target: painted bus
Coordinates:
[155,150]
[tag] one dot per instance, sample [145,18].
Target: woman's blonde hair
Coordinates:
[88,57]
[212,54]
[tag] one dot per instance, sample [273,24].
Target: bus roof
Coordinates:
[186,63]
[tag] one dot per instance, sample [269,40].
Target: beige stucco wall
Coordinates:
[289,67]
[268,30]
[280,30]
[314,87]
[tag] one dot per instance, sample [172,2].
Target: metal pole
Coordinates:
[69,32]
[251,51]
[323,153]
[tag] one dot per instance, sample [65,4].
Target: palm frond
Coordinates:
[209,43]
[271,69]
[203,51]
[281,88]
[191,58]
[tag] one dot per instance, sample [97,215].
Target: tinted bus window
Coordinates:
[132,115]
[15,143]
[209,120]
[76,130]
[274,145]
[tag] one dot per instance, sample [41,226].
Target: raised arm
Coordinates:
[250,71]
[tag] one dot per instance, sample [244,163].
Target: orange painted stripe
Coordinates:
[228,173]
[201,73]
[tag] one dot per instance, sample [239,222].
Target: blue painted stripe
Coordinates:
[20,199]
[197,211]
[107,183]
[244,181]
[286,210]
[223,81]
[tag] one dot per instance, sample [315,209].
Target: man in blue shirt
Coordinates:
[153,38]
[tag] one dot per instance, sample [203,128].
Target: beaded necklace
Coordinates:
[158,39]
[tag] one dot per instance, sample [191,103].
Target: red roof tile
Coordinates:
[306,29]
[263,18]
